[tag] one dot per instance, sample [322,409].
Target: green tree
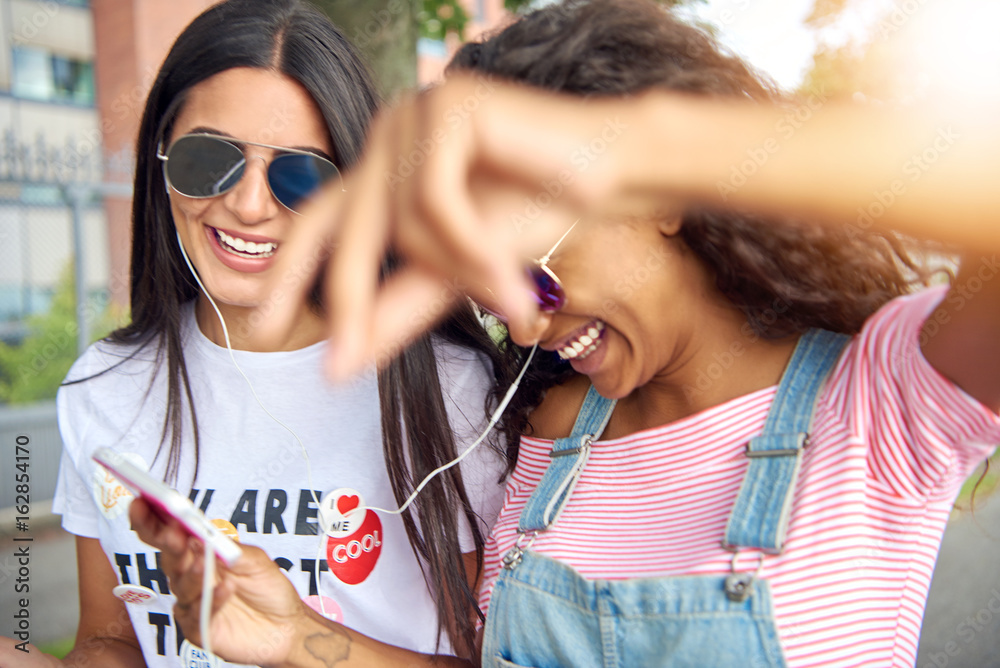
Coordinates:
[439,18]
[515,6]
[825,12]
[33,370]
[386,31]
[870,67]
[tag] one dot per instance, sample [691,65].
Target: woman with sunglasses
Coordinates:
[749,449]
[258,103]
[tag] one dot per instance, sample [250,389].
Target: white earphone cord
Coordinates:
[489,427]
[209,573]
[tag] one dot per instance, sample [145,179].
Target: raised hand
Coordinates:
[463,190]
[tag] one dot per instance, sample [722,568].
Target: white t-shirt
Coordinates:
[253,478]
[891,442]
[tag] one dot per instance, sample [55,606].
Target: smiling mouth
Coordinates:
[244,248]
[584,344]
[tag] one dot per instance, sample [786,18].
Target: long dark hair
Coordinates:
[295,39]
[785,277]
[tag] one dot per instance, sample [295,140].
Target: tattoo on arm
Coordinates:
[330,648]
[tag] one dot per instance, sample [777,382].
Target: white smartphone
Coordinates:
[167,503]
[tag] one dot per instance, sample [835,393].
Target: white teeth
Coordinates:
[584,344]
[244,248]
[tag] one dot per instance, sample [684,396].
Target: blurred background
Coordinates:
[73,78]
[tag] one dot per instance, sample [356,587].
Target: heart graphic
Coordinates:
[346,504]
[352,558]
[328,608]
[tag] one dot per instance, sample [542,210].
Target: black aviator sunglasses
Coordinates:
[203,165]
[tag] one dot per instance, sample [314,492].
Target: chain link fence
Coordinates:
[54,282]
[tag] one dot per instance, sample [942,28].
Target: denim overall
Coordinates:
[543,614]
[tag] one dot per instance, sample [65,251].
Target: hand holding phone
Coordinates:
[168,503]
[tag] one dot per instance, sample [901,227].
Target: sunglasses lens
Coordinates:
[293,177]
[548,291]
[204,166]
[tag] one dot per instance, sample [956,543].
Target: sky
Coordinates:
[960,54]
[936,37]
[770,34]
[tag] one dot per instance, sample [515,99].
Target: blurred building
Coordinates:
[49,135]
[73,78]
[47,68]
[133,37]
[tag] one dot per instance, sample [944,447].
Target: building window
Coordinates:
[42,75]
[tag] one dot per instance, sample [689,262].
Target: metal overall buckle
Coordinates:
[514,555]
[739,586]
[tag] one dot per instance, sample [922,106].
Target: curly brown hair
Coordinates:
[786,277]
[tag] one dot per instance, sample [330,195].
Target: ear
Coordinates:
[669,225]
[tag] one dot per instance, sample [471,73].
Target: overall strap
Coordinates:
[763,506]
[569,456]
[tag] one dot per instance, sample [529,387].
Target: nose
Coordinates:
[251,200]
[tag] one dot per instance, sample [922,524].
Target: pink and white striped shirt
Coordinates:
[891,443]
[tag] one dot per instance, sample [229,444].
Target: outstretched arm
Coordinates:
[926,174]
[467,180]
